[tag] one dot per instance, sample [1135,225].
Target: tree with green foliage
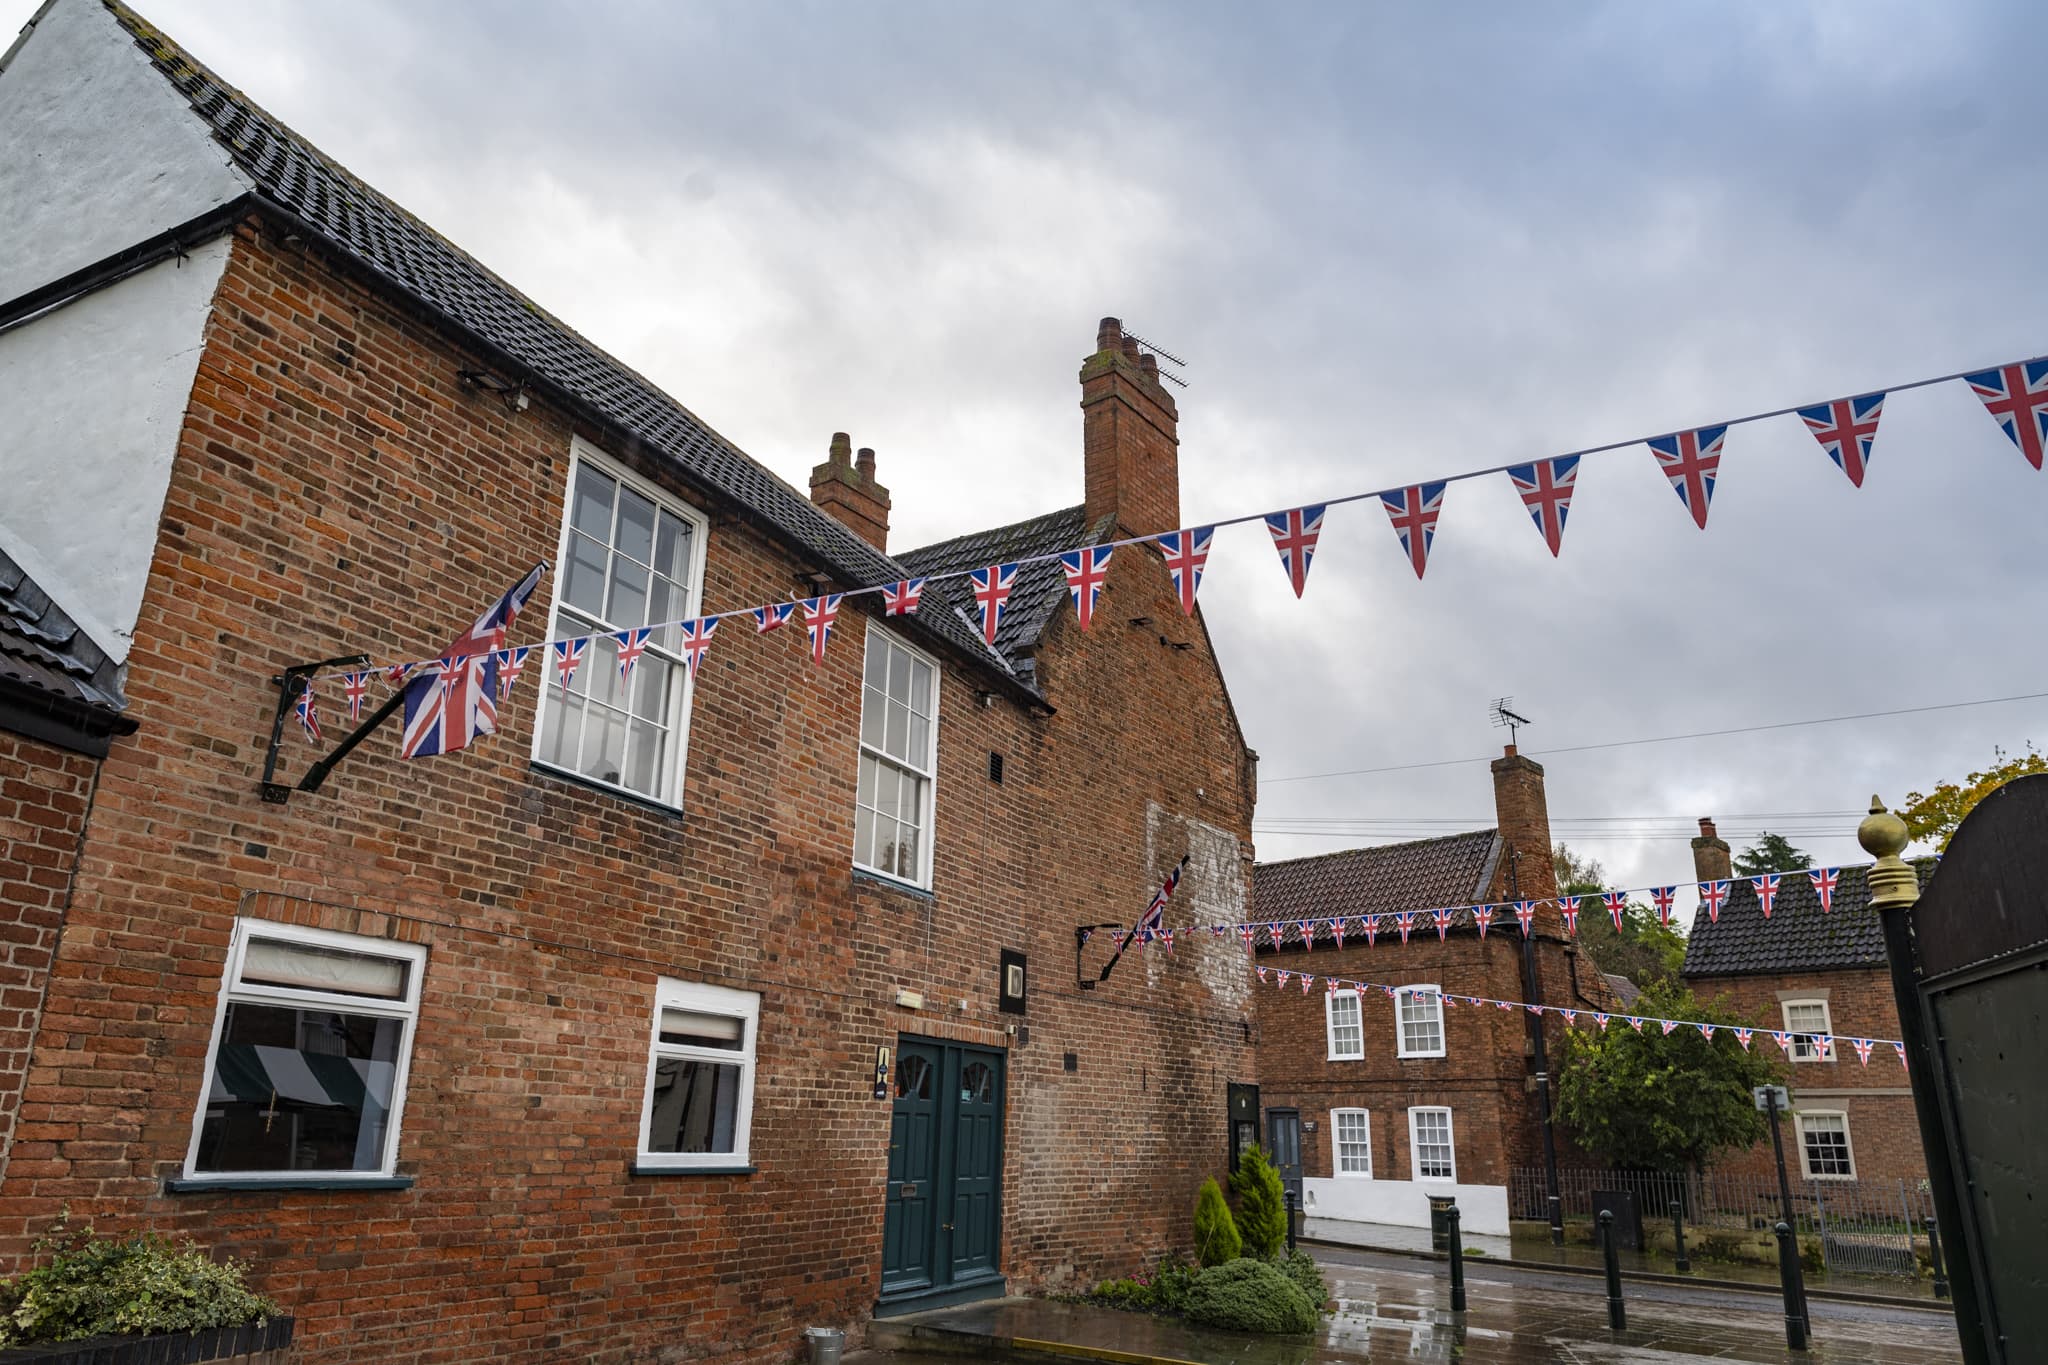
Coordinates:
[1216,1236]
[1932,817]
[1771,853]
[1261,1204]
[1644,951]
[1667,1102]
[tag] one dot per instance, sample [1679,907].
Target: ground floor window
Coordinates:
[1351,1132]
[700,1076]
[1429,1144]
[1824,1146]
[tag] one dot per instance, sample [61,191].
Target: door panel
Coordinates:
[977,1162]
[909,1223]
[1283,1145]
[943,1218]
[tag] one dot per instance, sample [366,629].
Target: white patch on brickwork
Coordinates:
[1212,892]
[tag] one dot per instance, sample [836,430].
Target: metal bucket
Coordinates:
[826,1344]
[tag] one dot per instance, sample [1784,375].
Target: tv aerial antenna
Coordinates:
[1503,713]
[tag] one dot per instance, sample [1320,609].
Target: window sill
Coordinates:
[641,1168]
[1418,1056]
[1345,1057]
[245,1184]
[631,798]
[888,883]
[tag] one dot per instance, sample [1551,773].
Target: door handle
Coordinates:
[946,1226]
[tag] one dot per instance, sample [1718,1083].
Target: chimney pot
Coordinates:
[842,448]
[850,494]
[1109,335]
[1131,351]
[865,461]
[1711,861]
[1707,827]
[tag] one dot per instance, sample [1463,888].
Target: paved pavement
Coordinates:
[1392,1307]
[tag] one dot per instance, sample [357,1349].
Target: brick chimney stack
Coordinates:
[845,487]
[1130,437]
[1523,814]
[1710,860]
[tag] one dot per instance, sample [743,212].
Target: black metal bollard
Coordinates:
[1457,1261]
[1617,1315]
[1934,1253]
[1684,1266]
[1290,1220]
[1789,1282]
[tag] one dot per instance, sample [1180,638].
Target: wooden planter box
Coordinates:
[265,1344]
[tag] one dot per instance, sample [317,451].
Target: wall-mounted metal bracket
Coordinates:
[290,684]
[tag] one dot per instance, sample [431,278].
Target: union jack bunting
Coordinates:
[1504,1004]
[1443,924]
[1668,1026]
[511,663]
[632,644]
[1783,1040]
[1285,977]
[309,713]
[1307,929]
[1766,888]
[820,615]
[1900,1048]
[695,640]
[1825,1044]
[1824,879]
[1692,460]
[901,599]
[769,617]
[1706,1031]
[1278,934]
[1546,489]
[1414,512]
[1294,536]
[446,711]
[1712,894]
[1154,917]
[1406,921]
[1617,906]
[1569,907]
[1846,429]
[1525,911]
[1262,975]
[2016,396]
[356,687]
[1306,982]
[1661,897]
[1635,1022]
[1166,937]
[1372,930]
[398,673]
[1570,1017]
[1186,552]
[1601,1020]
[1329,985]
[1483,916]
[1250,937]
[992,588]
[1337,930]
[1743,1035]
[1087,570]
[1533,1009]
[568,658]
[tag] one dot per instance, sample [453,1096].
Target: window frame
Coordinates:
[1401,1048]
[701,998]
[1799,1118]
[928,818]
[1415,1145]
[406,1011]
[1337,1143]
[1815,1052]
[1330,1025]
[682,687]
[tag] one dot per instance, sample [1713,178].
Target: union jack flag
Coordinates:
[1569,907]
[820,614]
[1900,1048]
[1406,921]
[1863,1047]
[1824,879]
[1662,896]
[1668,1025]
[1546,489]
[1285,976]
[1483,916]
[632,644]
[1306,981]
[1337,930]
[568,658]
[398,673]
[1372,930]
[1250,937]
[1307,929]
[992,588]
[511,663]
[1155,913]
[446,710]
[1706,1031]
[1617,906]
[769,617]
[1743,1035]
[1186,552]
[901,599]
[1087,570]
[1692,460]
[1533,1009]
[1443,924]
[1525,911]
[1635,1022]
[1711,896]
[1414,512]
[1262,974]
[1783,1040]
[1766,888]
[1601,1020]
[696,639]
[1570,1017]
[1846,429]
[1294,536]
[2016,396]
[309,714]
[1278,934]
[356,687]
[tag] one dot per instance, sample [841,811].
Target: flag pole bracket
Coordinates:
[1082,933]
[290,684]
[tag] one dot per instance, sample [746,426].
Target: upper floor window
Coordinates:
[1429,1144]
[700,1079]
[1345,1024]
[1421,1011]
[899,753]
[630,557]
[1351,1139]
[1824,1146]
[306,1072]
[1807,1021]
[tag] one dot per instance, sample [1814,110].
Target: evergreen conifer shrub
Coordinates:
[1261,1204]
[1250,1296]
[1216,1236]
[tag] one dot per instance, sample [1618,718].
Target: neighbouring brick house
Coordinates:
[564,1047]
[1380,1101]
[1799,970]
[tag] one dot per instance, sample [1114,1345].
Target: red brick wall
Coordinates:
[45,794]
[1129,434]
[337,489]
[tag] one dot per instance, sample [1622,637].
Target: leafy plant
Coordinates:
[1171,1283]
[1132,1294]
[1771,853]
[1261,1204]
[94,1286]
[1249,1295]
[1932,817]
[1301,1268]
[1216,1236]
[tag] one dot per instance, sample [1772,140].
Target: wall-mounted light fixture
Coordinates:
[513,393]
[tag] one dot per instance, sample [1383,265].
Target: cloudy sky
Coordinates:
[1393,242]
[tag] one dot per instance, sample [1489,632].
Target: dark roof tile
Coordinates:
[1041,588]
[43,651]
[1428,874]
[1796,936]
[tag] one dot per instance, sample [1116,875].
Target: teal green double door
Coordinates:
[944,1215]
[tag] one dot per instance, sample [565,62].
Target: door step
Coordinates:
[941,1296]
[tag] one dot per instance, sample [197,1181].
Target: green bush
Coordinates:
[1216,1237]
[1134,1295]
[1261,1204]
[1250,1296]
[94,1286]
[1301,1268]
[1171,1283]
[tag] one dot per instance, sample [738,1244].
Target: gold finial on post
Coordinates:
[1893,882]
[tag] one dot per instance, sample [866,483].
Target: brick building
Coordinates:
[568,1046]
[1377,1100]
[1801,971]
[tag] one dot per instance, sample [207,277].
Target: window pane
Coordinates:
[899,676]
[299,1090]
[910,804]
[583,581]
[869,767]
[864,838]
[887,835]
[643,757]
[604,746]
[672,551]
[592,513]
[693,1028]
[908,853]
[918,750]
[887,784]
[895,738]
[267,962]
[872,711]
[561,727]
[598,678]
[921,687]
[636,527]
[875,672]
[664,603]
[695,1105]
[651,688]
[628,604]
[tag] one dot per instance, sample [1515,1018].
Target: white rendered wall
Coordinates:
[97,151]
[92,399]
[1482,1209]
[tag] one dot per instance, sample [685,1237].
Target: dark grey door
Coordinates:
[942,1219]
[1283,1147]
